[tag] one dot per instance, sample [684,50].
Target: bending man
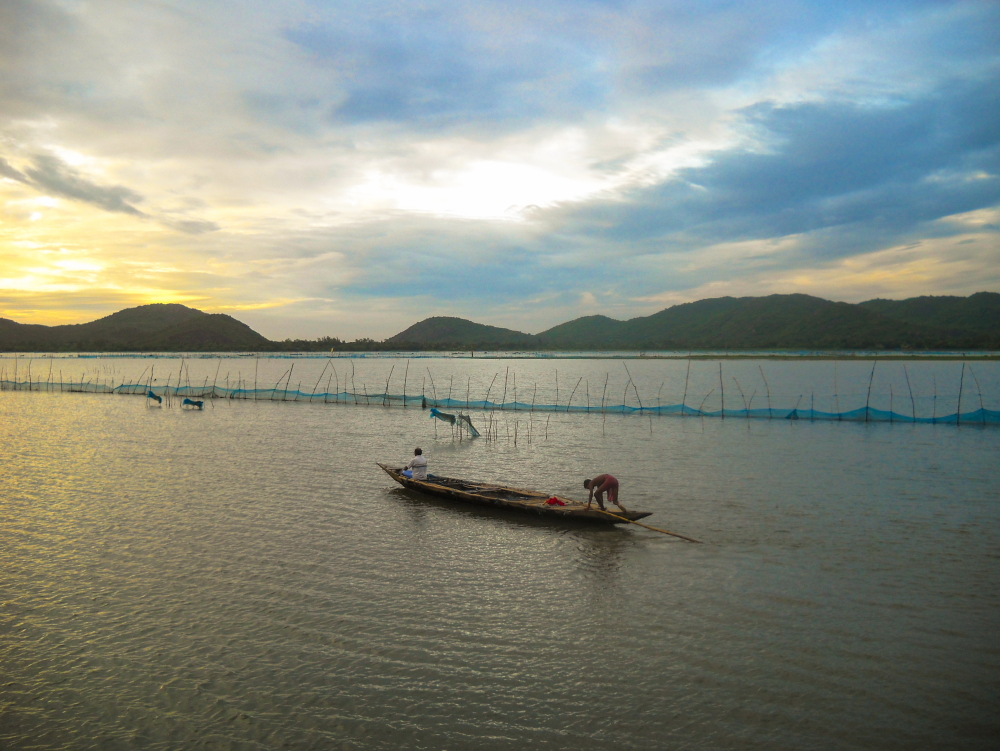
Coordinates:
[599,486]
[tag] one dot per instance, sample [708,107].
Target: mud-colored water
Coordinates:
[245,577]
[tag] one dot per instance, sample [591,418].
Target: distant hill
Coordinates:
[147,328]
[978,312]
[791,322]
[772,322]
[444,332]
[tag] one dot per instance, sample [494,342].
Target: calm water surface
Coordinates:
[246,577]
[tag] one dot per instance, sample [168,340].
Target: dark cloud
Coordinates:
[189,226]
[7,171]
[875,170]
[52,175]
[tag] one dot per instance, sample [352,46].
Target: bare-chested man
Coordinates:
[599,486]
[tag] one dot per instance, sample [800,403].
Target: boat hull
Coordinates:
[513,499]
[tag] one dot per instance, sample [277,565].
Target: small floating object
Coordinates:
[154,397]
[192,403]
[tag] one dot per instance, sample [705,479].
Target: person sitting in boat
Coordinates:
[599,486]
[417,467]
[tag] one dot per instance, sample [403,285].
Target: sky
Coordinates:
[349,168]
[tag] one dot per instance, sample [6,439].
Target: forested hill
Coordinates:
[147,328]
[793,322]
[773,322]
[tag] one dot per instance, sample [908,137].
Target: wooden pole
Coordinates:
[214,380]
[434,388]
[722,389]
[934,402]
[743,397]
[871,378]
[913,403]
[982,407]
[961,383]
[633,386]
[386,394]
[684,397]
[572,393]
[836,394]
[770,414]
[646,526]
[705,400]
[321,374]
[604,415]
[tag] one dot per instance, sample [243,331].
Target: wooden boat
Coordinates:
[515,499]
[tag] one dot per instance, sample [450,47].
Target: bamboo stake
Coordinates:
[405,374]
[703,402]
[982,407]
[321,374]
[487,400]
[571,394]
[684,398]
[836,394]
[961,383]
[722,391]
[386,394]
[871,378]
[934,402]
[770,415]
[646,526]
[913,404]
[633,386]
[214,380]
[435,391]
[743,397]
[604,415]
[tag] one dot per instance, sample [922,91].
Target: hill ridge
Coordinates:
[793,321]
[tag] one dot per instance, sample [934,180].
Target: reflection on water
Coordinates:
[246,577]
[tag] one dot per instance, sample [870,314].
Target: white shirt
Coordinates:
[419,466]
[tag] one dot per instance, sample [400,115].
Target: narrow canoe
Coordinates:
[515,499]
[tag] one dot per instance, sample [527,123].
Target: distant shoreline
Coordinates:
[858,355]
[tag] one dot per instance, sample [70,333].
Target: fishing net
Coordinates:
[926,412]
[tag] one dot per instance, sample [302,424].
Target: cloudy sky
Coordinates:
[348,168]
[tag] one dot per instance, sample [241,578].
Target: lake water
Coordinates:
[245,577]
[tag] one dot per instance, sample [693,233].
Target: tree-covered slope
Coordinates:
[445,331]
[157,327]
[978,312]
